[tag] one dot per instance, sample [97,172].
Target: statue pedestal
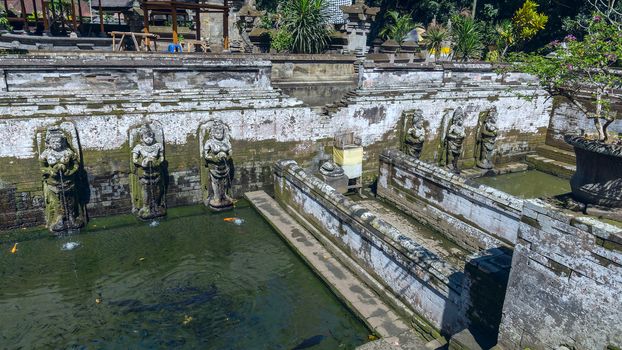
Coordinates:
[220,206]
[339,183]
[334,176]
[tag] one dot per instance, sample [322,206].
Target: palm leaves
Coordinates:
[306,21]
[398,27]
[434,37]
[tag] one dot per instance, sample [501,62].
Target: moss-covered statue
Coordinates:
[148,168]
[486,137]
[415,135]
[453,140]
[60,164]
[217,160]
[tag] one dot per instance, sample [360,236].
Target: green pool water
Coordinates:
[193,282]
[528,184]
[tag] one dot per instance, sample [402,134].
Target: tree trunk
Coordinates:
[602,132]
[505,50]
[599,129]
[605,132]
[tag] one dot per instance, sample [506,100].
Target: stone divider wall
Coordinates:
[474,216]
[565,282]
[565,287]
[431,287]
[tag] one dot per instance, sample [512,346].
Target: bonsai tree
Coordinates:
[582,67]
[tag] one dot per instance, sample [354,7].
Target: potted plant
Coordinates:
[587,73]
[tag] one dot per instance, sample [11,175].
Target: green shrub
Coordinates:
[434,38]
[4,22]
[306,21]
[281,40]
[467,38]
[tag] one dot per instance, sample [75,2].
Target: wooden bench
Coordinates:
[145,41]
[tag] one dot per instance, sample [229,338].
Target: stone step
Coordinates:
[464,340]
[557,154]
[134,97]
[551,166]
[507,168]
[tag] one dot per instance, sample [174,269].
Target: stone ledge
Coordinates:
[450,179]
[361,215]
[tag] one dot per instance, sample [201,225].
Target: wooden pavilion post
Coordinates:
[101,20]
[62,16]
[23,6]
[52,17]
[34,11]
[225,25]
[73,17]
[146,24]
[46,23]
[80,11]
[197,19]
[174,20]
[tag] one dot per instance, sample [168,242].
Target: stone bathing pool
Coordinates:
[527,184]
[193,281]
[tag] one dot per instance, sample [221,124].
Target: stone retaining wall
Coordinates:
[567,118]
[565,285]
[315,79]
[105,94]
[474,216]
[386,90]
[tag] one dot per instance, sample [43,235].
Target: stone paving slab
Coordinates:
[360,298]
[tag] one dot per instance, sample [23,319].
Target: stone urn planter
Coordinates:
[598,179]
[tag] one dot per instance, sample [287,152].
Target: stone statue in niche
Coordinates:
[415,135]
[216,154]
[454,139]
[148,168]
[60,163]
[486,137]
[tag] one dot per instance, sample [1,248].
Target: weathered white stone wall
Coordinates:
[106,94]
[175,91]
[386,91]
[475,216]
[418,277]
[565,284]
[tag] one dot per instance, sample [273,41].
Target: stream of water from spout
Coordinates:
[152,200]
[63,199]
